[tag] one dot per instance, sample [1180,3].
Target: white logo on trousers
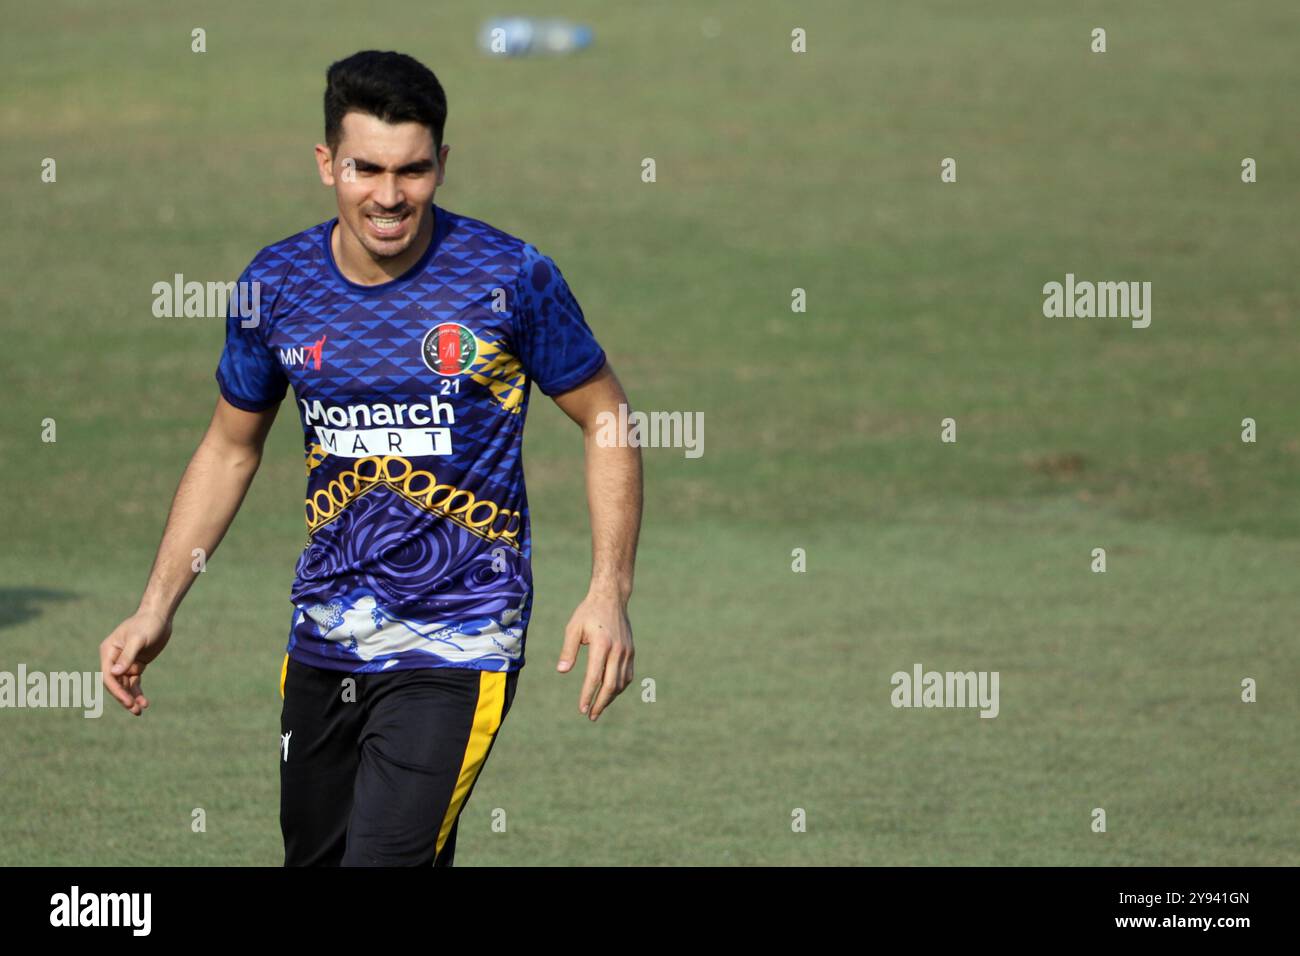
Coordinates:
[284,745]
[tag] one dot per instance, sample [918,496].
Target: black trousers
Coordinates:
[376,768]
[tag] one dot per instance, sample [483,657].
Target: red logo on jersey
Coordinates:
[313,353]
[304,354]
[448,349]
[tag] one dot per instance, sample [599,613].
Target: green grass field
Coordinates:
[776,170]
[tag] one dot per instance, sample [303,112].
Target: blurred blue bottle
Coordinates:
[525,36]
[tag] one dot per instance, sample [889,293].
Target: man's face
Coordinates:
[385,176]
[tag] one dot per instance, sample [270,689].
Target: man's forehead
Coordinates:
[367,135]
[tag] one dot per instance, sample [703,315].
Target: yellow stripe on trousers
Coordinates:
[284,672]
[487,721]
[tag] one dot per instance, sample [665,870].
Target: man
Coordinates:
[410,336]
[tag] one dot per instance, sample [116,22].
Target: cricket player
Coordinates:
[411,336]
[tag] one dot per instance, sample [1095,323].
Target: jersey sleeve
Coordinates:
[248,374]
[555,345]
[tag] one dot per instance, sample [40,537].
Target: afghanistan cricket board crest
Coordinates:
[449,348]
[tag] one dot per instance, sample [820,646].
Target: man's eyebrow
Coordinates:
[419,166]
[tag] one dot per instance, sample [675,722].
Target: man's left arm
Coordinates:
[614,488]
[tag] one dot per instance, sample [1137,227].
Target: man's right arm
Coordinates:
[210,493]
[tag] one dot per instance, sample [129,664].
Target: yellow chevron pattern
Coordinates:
[502,373]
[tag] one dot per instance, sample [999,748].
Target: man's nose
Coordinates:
[389,192]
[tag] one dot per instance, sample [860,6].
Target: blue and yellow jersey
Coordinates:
[412,396]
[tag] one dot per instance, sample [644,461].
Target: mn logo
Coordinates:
[449,348]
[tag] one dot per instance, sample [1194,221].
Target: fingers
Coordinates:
[617,676]
[628,654]
[137,692]
[597,654]
[610,686]
[127,649]
[108,652]
[627,671]
[126,688]
[569,652]
[122,680]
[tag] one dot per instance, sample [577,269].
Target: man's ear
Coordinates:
[442,163]
[325,164]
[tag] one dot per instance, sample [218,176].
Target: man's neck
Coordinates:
[359,266]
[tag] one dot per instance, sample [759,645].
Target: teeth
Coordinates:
[385,223]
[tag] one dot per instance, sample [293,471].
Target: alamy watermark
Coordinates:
[922,688]
[81,689]
[1103,300]
[651,430]
[208,300]
[75,908]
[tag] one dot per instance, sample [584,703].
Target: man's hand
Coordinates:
[601,623]
[127,651]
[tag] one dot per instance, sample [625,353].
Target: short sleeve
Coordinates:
[554,343]
[248,374]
